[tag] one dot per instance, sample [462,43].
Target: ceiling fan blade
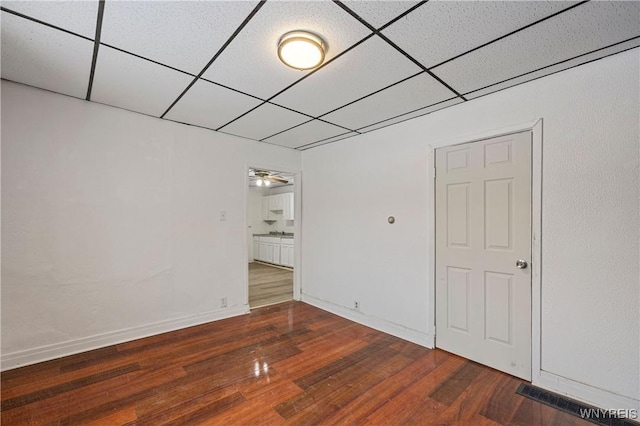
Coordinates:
[276,179]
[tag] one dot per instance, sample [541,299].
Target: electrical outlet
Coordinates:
[223,302]
[356,305]
[223,215]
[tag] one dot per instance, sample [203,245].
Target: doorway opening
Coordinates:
[271,215]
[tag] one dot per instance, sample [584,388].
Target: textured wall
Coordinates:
[590,235]
[110,221]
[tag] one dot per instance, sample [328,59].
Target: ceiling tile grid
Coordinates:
[413,114]
[250,64]
[44,57]
[440,30]
[586,28]
[182,34]
[414,93]
[589,57]
[370,66]
[309,132]
[265,121]
[129,82]
[328,140]
[380,13]
[211,106]
[214,64]
[76,16]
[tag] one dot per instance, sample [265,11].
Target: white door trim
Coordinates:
[536,227]
[297,224]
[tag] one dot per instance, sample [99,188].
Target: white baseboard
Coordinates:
[45,353]
[583,392]
[414,336]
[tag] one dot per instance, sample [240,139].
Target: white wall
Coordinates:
[110,223]
[590,223]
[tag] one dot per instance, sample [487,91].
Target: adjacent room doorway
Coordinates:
[483,251]
[271,216]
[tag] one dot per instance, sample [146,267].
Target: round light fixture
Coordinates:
[301,50]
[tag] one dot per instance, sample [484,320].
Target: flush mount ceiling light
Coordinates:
[301,50]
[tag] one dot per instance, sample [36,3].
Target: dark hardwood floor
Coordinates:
[269,285]
[284,364]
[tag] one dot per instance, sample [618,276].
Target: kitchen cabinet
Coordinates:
[270,249]
[288,206]
[266,251]
[276,253]
[286,252]
[280,206]
[276,202]
[267,213]
[256,248]
[276,250]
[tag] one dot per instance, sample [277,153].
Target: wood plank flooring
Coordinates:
[269,285]
[289,363]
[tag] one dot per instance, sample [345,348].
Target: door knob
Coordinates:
[521,264]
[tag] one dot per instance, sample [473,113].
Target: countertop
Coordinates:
[274,235]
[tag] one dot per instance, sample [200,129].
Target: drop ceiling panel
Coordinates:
[265,121]
[329,140]
[418,113]
[583,29]
[211,106]
[555,68]
[417,92]
[365,84]
[370,66]
[129,82]
[304,134]
[182,34]
[439,30]
[44,57]
[250,63]
[77,16]
[378,13]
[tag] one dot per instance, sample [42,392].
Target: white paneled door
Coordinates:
[483,251]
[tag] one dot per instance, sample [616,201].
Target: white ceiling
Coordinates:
[213,64]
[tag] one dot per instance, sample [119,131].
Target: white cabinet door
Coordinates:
[266,252]
[286,255]
[267,214]
[483,229]
[276,202]
[256,248]
[287,210]
[276,254]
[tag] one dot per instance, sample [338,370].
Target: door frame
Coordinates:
[297,225]
[536,129]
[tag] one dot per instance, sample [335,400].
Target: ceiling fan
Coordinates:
[266,178]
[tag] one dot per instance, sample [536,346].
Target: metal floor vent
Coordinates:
[586,412]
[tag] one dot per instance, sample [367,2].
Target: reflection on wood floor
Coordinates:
[269,285]
[289,363]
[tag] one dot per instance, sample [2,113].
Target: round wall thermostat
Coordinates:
[391,219]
